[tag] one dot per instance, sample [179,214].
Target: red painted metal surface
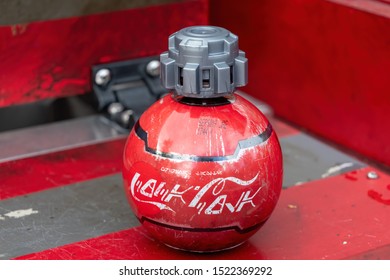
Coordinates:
[202,178]
[131,244]
[333,218]
[381,253]
[21,177]
[281,128]
[53,58]
[320,64]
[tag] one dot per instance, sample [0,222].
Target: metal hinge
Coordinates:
[124,90]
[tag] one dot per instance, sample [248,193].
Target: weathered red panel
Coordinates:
[333,218]
[21,177]
[281,128]
[320,64]
[53,58]
[381,253]
[132,244]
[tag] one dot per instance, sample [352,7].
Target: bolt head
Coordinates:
[372,175]
[153,68]
[127,117]
[102,77]
[115,108]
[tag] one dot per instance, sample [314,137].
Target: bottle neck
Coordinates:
[210,101]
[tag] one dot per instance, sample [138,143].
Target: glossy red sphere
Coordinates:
[202,178]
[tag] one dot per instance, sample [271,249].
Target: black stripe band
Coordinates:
[218,229]
[243,144]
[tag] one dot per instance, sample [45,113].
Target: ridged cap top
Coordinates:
[203,61]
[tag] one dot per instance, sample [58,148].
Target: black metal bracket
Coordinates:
[125,89]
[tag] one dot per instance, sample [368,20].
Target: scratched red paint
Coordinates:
[47,171]
[53,58]
[133,244]
[319,64]
[332,218]
[351,175]
[378,197]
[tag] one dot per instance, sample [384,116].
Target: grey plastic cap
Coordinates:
[203,61]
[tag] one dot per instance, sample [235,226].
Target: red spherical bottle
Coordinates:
[202,166]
